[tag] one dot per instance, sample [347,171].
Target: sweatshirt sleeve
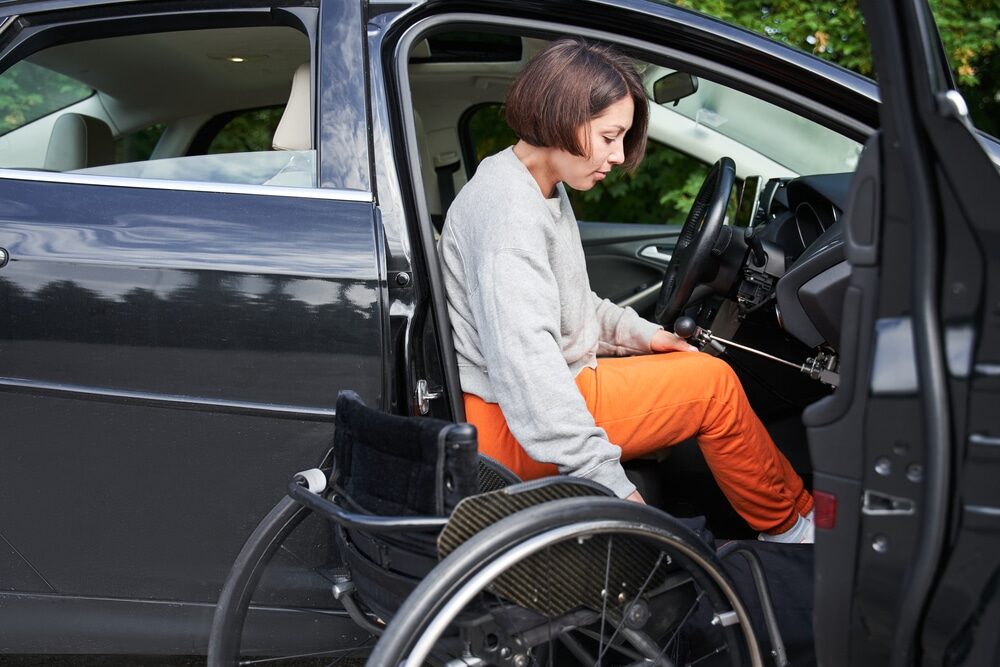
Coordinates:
[519,332]
[623,332]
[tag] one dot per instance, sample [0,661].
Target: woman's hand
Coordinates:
[664,341]
[635,498]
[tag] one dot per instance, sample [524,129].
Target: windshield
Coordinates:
[788,139]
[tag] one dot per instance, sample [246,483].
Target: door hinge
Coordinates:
[425,394]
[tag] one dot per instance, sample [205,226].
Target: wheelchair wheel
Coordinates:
[580,581]
[322,636]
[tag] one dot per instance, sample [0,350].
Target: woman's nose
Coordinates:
[617,155]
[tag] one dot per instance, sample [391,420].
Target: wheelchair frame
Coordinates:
[490,545]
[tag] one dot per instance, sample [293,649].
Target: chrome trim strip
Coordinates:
[6,22]
[980,439]
[987,370]
[187,186]
[983,510]
[165,400]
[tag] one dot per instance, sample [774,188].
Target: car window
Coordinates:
[134,106]
[786,138]
[139,145]
[28,92]
[666,176]
[247,131]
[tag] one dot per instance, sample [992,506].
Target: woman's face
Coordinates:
[606,140]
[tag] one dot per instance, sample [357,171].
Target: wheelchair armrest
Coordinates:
[299,492]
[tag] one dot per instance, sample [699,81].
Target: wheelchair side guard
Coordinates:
[476,512]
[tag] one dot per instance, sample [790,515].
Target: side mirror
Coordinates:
[674,87]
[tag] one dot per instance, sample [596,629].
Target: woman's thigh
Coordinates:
[649,402]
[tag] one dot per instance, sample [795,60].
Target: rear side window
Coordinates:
[139,145]
[29,91]
[247,131]
[135,106]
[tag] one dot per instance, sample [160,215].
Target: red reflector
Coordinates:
[825,511]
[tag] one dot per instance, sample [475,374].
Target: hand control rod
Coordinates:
[822,367]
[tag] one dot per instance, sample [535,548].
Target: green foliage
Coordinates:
[661,190]
[248,131]
[28,92]
[834,31]
[138,146]
[489,132]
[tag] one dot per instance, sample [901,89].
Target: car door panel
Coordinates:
[177,335]
[170,354]
[625,262]
[889,445]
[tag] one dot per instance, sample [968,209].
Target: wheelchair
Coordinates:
[449,560]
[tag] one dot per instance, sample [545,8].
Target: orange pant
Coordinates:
[648,402]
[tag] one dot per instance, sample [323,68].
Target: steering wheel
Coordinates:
[692,257]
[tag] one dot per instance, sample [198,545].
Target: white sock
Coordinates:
[801,533]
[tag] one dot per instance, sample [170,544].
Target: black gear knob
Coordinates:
[685,327]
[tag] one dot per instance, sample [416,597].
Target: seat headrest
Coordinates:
[77,142]
[294,131]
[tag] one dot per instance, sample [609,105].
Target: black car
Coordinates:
[216,215]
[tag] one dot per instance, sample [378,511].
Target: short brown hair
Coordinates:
[565,86]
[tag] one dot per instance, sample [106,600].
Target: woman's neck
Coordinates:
[536,160]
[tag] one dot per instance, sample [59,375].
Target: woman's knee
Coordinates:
[714,368]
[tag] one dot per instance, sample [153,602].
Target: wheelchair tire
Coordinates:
[433,624]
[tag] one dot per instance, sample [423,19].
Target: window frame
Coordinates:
[80,24]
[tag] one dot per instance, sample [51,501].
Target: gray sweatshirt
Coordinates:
[525,321]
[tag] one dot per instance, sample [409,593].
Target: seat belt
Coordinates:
[445,165]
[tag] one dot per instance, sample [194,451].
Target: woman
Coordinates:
[529,332]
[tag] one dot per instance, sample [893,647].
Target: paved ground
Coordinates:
[155,661]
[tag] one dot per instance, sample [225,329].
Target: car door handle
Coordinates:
[656,252]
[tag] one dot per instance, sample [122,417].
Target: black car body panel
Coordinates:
[172,353]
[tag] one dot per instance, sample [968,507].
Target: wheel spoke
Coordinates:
[680,625]
[717,651]
[340,652]
[627,652]
[604,600]
[642,589]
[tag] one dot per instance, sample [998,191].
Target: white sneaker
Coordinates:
[802,532]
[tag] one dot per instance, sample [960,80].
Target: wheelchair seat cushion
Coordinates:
[390,465]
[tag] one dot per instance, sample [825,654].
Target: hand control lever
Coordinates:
[822,367]
[756,247]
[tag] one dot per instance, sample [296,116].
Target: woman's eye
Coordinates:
[609,140]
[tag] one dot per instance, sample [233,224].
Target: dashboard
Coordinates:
[803,217]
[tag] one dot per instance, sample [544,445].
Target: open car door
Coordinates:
[907,451]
